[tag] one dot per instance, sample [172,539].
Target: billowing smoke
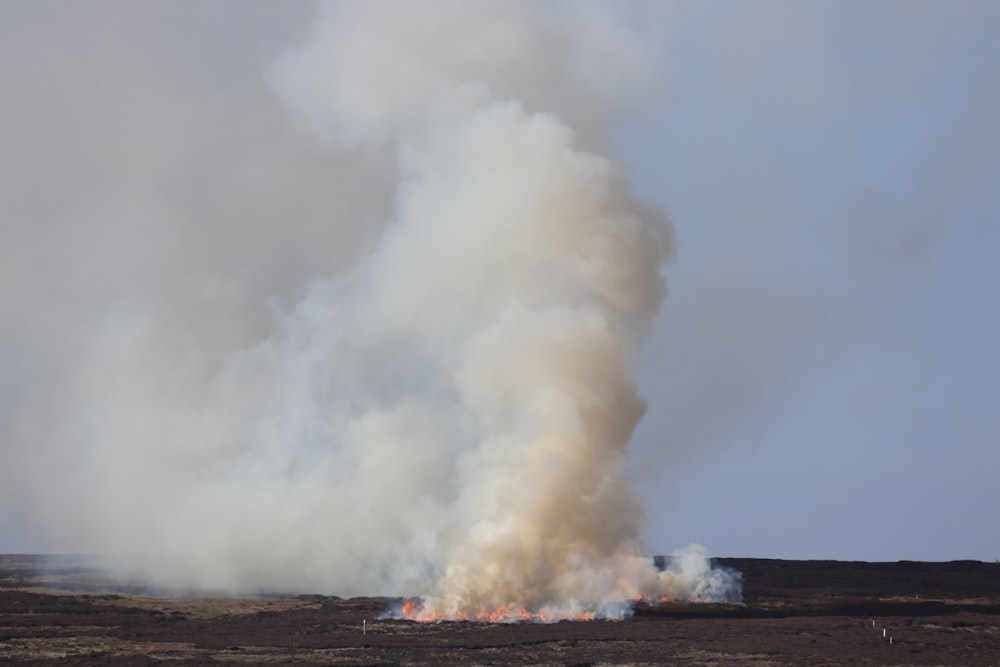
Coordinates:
[445,414]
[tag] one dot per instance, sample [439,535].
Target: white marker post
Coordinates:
[364,626]
[883,633]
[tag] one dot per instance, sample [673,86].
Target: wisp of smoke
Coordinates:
[448,418]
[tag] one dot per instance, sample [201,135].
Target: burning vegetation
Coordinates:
[671,585]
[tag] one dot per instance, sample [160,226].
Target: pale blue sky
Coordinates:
[830,344]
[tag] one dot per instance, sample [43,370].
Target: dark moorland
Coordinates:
[795,613]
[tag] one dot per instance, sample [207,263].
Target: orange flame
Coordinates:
[413,609]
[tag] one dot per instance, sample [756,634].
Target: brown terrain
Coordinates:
[795,613]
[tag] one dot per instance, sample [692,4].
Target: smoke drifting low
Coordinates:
[443,412]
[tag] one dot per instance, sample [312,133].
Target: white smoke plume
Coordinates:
[444,414]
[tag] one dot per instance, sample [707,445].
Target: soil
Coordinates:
[794,613]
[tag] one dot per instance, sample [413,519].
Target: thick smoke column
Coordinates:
[446,416]
[519,274]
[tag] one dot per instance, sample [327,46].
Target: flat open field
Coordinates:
[795,613]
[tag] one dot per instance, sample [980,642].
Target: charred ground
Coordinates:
[795,613]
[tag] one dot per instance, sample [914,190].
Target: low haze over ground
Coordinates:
[822,379]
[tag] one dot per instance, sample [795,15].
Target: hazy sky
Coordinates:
[822,381]
[831,337]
